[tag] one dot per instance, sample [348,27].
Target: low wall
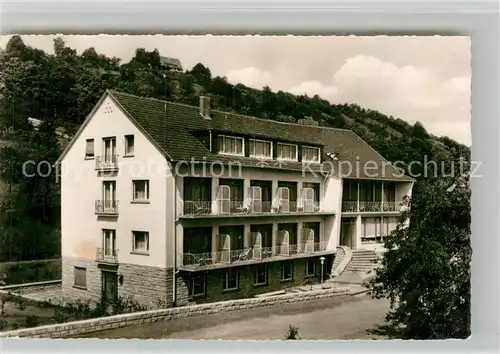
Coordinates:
[28,288]
[71,329]
[342,259]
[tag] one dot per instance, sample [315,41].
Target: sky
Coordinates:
[415,78]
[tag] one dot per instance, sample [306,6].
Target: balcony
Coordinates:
[106,255]
[250,207]
[106,207]
[106,163]
[250,255]
[369,207]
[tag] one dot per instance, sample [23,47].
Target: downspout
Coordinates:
[174,270]
[210,139]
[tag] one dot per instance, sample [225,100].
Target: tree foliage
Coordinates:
[426,269]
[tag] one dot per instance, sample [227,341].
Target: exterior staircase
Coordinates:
[361,267]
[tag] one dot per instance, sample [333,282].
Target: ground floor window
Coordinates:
[371,230]
[231,280]
[286,271]
[80,277]
[310,267]
[197,287]
[260,274]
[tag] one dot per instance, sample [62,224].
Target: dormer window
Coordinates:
[231,145]
[287,151]
[310,154]
[260,148]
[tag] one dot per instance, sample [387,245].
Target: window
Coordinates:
[109,152]
[260,148]
[89,149]
[231,145]
[197,285]
[310,267]
[141,190]
[260,275]
[286,271]
[231,279]
[109,242]
[80,277]
[310,154]
[140,242]
[129,145]
[287,151]
[371,229]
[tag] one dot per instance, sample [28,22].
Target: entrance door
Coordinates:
[109,290]
[347,233]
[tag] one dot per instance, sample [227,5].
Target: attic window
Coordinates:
[287,151]
[260,148]
[231,145]
[310,154]
[129,145]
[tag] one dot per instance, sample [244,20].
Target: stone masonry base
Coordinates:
[151,287]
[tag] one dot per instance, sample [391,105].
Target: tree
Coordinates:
[426,270]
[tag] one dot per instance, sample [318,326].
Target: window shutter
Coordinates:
[257,246]
[284,243]
[225,248]
[256,195]
[224,198]
[284,199]
[308,199]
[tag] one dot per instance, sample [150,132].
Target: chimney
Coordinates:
[205,107]
[307,121]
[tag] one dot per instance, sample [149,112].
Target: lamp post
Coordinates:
[322,260]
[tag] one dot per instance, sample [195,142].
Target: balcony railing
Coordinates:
[250,255]
[352,206]
[106,207]
[219,207]
[390,206]
[106,255]
[106,163]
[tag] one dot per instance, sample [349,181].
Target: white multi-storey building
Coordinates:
[170,203]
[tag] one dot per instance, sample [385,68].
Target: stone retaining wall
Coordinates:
[70,329]
[28,288]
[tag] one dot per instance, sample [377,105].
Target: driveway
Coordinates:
[335,318]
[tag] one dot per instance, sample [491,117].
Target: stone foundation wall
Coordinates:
[67,330]
[151,287]
[70,293]
[246,289]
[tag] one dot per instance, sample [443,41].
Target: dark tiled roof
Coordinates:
[171,126]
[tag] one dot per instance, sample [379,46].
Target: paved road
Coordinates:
[346,318]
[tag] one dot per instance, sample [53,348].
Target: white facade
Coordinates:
[82,186]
